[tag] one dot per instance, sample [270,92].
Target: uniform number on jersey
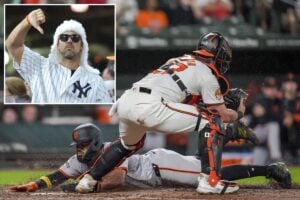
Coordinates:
[176,66]
[179,67]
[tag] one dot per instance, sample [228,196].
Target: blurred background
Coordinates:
[58,1]
[265,38]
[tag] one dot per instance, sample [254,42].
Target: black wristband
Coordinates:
[240,115]
[41,184]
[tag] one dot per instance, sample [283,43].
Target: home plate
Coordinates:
[48,193]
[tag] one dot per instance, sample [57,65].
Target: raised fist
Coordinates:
[36,18]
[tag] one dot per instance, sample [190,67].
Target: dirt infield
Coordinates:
[253,192]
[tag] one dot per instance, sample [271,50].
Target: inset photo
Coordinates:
[59,54]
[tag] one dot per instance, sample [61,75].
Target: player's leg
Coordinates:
[179,118]
[273,141]
[141,171]
[211,146]
[131,139]
[260,155]
[174,118]
[277,171]
[136,118]
[174,168]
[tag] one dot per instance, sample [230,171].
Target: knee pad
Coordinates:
[113,156]
[210,147]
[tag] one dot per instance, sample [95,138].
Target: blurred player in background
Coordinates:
[155,168]
[108,76]
[65,76]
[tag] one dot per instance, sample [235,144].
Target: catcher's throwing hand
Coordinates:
[29,187]
[36,18]
[235,99]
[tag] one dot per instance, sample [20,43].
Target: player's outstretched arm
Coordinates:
[234,107]
[48,181]
[15,40]
[227,115]
[113,179]
[28,187]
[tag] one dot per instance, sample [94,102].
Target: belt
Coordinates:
[144,90]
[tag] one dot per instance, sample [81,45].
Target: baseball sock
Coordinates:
[235,172]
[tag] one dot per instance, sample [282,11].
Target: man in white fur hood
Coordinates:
[65,76]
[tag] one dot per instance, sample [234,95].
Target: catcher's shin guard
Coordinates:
[112,157]
[210,150]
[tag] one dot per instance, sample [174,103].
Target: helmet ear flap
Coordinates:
[87,133]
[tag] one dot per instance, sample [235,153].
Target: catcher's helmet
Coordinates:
[214,45]
[87,136]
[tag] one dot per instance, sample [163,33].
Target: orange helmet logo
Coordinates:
[75,135]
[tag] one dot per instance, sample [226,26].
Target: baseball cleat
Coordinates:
[238,130]
[222,187]
[280,173]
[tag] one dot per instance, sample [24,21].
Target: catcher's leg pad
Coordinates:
[112,157]
[210,150]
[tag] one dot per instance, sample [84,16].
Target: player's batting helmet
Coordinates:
[87,136]
[214,45]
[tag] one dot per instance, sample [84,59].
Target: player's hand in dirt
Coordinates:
[36,18]
[29,187]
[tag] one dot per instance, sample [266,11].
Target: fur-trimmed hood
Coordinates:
[71,25]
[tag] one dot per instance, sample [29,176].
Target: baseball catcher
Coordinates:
[151,169]
[162,102]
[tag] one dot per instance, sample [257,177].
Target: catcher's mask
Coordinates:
[88,140]
[214,46]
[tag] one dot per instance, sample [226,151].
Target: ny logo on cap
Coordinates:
[82,90]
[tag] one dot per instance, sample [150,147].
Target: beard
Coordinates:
[81,155]
[69,53]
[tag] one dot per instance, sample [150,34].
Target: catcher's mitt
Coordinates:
[233,98]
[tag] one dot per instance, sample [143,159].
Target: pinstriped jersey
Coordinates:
[53,83]
[196,76]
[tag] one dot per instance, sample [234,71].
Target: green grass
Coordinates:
[12,177]
[295,173]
